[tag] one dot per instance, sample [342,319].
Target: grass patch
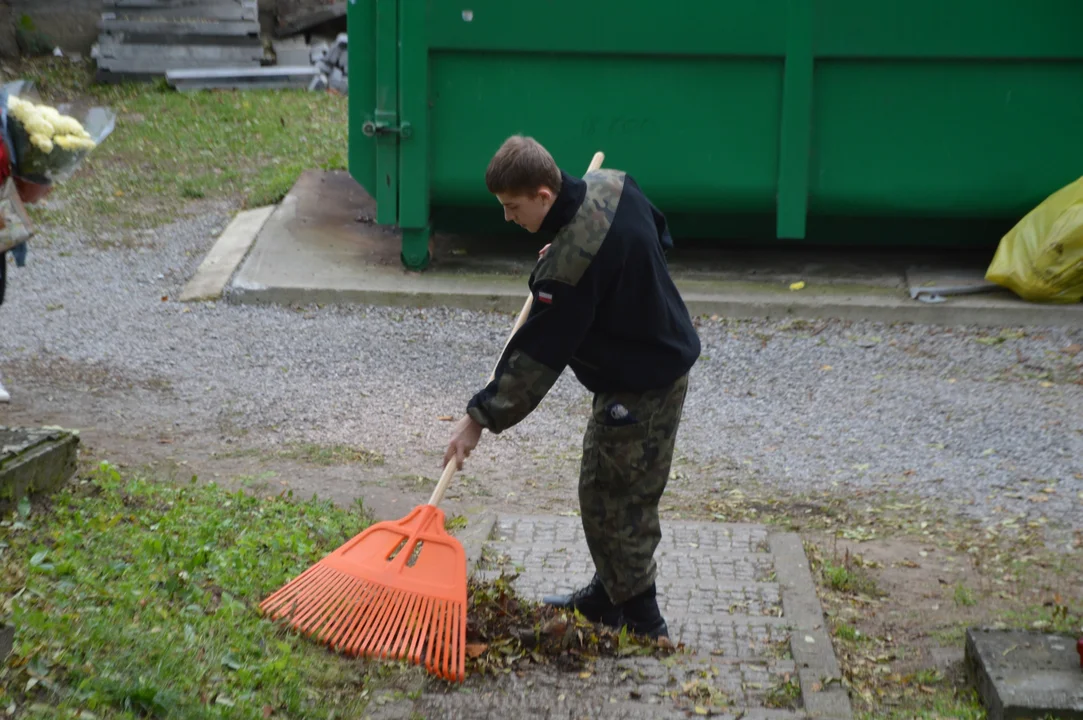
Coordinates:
[316,454]
[959,704]
[1053,617]
[171,148]
[137,599]
[331,454]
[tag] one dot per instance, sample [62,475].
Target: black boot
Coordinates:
[642,616]
[592,602]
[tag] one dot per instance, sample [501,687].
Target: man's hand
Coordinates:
[463,440]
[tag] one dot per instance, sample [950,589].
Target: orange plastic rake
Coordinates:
[397,590]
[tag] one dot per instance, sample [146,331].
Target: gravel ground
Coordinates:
[799,405]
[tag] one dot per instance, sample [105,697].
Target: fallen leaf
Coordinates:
[474,650]
[1073,349]
[799,285]
[1046,384]
[445,418]
[827,367]
[585,674]
[268,711]
[700,710]
[909,564]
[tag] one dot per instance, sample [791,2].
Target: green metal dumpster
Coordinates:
[775,119]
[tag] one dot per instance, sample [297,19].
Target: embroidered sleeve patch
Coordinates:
[545,297]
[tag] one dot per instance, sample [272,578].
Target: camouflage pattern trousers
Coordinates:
[627,453]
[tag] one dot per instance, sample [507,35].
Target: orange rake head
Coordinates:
[396,590]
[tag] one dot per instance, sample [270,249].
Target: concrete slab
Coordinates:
[34,461]
[320,246]
[1022,674]
[210,279]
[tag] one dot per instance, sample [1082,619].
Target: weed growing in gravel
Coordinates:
[132,598]
[963,596]
[784,695]
[849,577]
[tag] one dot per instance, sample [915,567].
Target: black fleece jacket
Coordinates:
[604,304]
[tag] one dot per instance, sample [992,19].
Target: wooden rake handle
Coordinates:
[449,469]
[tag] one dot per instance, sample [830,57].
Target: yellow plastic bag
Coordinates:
[1041,258]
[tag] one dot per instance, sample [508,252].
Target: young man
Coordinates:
[604,305]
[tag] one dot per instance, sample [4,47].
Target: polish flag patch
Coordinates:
[545,297]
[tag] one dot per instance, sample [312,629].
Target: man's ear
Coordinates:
[546,194]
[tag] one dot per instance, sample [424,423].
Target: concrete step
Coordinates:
[34,461]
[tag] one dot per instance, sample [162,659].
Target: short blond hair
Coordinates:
[520,167]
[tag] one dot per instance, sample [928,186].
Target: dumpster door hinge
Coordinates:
[385,124]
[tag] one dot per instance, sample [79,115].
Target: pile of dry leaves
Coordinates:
[504,631]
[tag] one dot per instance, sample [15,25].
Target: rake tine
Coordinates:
[382,625]
[287,591]
[400,637]
[369,622]
[298,596]
[309,618]
[349,605]
[366,599]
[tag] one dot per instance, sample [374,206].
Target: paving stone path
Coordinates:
[739,598]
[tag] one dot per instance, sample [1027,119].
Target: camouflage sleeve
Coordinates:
[536,356]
